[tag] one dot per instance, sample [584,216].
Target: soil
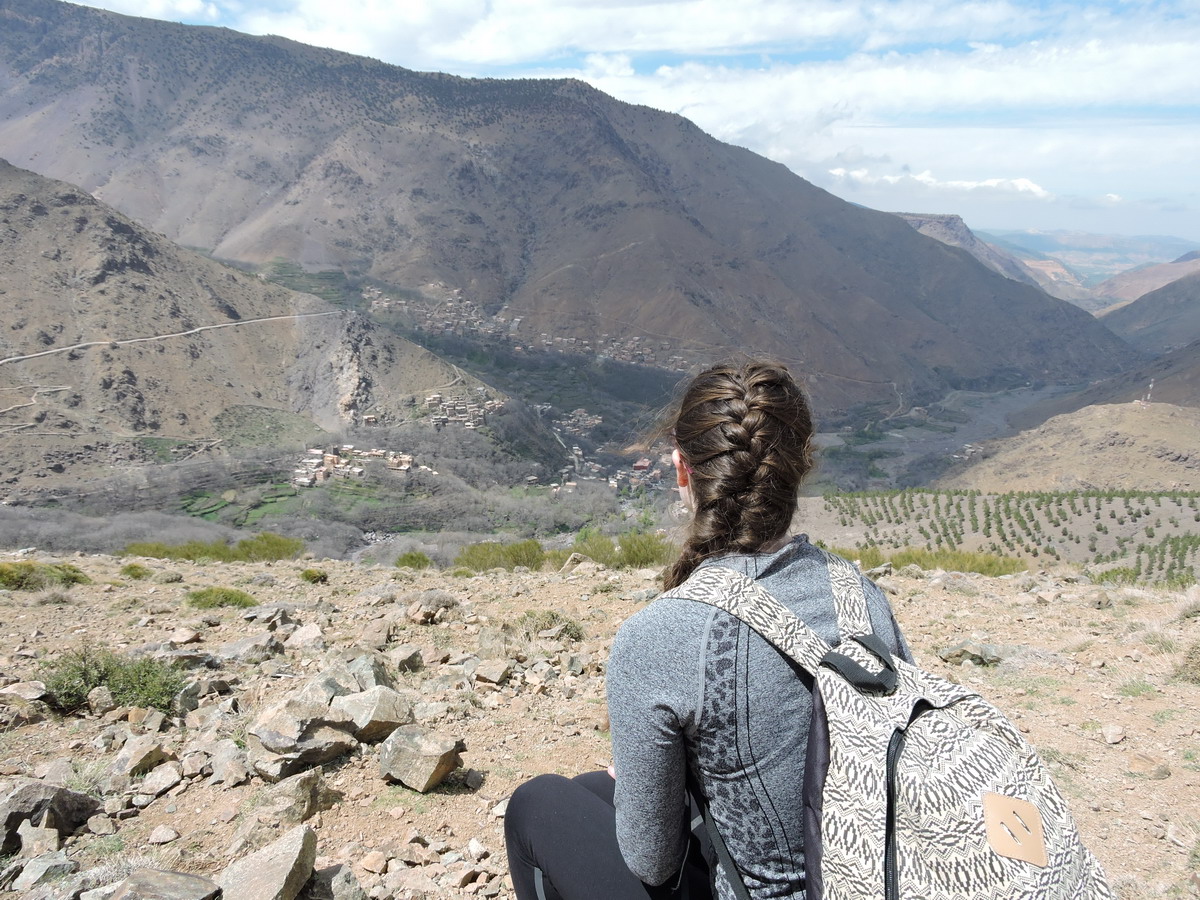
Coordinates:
[1090,675]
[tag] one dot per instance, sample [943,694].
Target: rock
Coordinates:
[377,711]
[376,861]
[1147,765]
[138,755]
[418,759]
[254,649]
[42,869]
[1099,600]
[163,834]
[307,637]
[161,779]
[295,799]
[58,772]
[972,651]
[37,841]
[277,872]
[100,700]
[101,825]
[26,690]
[229,763]
[294,735]
[493,671]
[154,884]
[333,883]
[368,669]
[912,570]
[406,658]
[1112,734]
[45,805]
[182,636]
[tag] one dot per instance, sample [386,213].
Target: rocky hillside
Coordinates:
[953,231]
[1121,447]
[1172,378]
[548,204]
[119,346]
[1163,319]
[1129,286]
[361,736]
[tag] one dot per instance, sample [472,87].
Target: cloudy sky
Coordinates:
[1016,114]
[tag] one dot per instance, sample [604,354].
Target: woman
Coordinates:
[696,698]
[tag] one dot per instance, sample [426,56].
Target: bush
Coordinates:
[535,621]
[414,559]
[136,571]
[493,555]
[950,560]
[32,576]
[133,682]
[265,547]
[639,550]
[212,597]
[315,576]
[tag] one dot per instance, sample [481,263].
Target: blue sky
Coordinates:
[1041,115]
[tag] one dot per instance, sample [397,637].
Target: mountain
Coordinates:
[1161,320]
[1128,446]
[952,230]
[1095,257]
[1025,266]
[559,211]
[119,346]
[1129,286]
[1175,377]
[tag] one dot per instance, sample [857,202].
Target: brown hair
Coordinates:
[744,431]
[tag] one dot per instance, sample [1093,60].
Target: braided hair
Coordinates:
[744,434]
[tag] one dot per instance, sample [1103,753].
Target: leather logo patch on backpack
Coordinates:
[1014,828]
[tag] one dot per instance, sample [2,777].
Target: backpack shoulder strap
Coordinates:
[744,598]
[848,598]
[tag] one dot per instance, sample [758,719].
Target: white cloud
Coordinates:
[927,179]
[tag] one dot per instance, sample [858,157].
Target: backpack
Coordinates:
[914,787]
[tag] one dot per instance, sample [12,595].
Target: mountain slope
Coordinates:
[1124,446]
[547,203]
[1161,320]
[1128,286]
[952,230]
[115,335]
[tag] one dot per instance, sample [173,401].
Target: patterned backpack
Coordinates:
[914,787]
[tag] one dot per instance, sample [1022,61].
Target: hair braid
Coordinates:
[745,431]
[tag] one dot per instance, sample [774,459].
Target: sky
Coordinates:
[1014,114]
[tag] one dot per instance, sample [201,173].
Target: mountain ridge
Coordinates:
[559,210]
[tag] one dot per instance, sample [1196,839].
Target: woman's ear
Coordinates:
[681,469]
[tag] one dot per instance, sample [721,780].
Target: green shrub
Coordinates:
[460,572]
[212,597]
[950,560]
[315,576]
[133,682]
[414,559]
[494,555]
[1119,576]
[265,547]
[596,546]
[136,571]
[640,550]
[538,620]
[33,576]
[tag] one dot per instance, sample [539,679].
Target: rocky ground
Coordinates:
[308,720]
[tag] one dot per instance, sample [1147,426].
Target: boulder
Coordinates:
[138,755]
[277,872]
[295,735]
[377,711]
[254,649]
[161,779]
[333,883]
[155,884]
[42,869]
[45,805]
[417,758]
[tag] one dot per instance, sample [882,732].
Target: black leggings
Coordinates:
[562,845]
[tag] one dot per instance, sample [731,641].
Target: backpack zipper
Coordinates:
[891,890]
